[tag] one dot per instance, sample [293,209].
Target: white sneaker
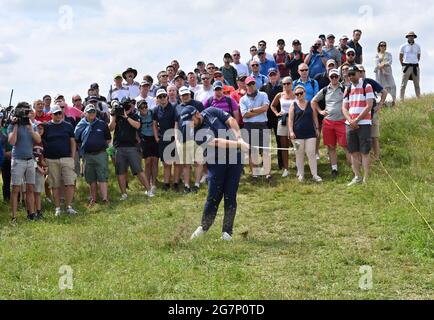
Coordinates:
[300,179]
[71,211]
[355,181]
[285,173]
[226,236]
[203,180]
[318,157]
[58,212]
[151,194]
[199,231]
[317,179]
[153,189]
[124,197]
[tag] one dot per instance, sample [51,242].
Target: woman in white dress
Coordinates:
[383,69]
[284,99]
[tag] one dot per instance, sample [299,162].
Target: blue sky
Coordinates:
[63,46]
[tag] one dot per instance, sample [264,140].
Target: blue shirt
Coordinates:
[23,148]
[261,80]
[57,138]
[311,87]
[165,118]
[247,103]
[146,124]
[97,138]
[265,66]
[316,65]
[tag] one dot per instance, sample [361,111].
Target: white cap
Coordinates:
[184,90]
[334,71]
[160,92]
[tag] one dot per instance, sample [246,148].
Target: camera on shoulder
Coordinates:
[21,114]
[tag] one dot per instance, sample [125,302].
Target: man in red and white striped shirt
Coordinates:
[357,109]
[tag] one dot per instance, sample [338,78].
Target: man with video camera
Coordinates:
[126,124]
[22,136]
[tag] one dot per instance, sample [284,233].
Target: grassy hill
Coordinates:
[291,241]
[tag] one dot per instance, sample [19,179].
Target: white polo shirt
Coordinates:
[410,52]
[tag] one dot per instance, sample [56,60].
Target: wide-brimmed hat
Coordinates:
[411,33]
[129,70]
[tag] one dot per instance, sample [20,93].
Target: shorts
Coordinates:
[149,147]
[128,157]
[39,182]
[167,151]
[258,135]
[190,153]
[359,140]
[282,131]
[96,167]
[375,130]
[334,132]
[22,171]
[61,171]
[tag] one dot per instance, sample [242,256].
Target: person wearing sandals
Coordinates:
[383,70]
[303,130]
[284,99]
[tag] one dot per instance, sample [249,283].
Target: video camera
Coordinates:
[118,109]
[20,114]
[5,115]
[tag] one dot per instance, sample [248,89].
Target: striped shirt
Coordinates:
[356,102]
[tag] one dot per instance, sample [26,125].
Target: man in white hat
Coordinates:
[409,56]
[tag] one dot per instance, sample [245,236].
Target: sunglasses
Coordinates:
[255,65]
[162,96]
[304,70]
[350,54]
[91,111]
[383,45]
[236,55]
[205,79]
[164,76]
[57,113]
[299,94]
[287,83]
[334,77]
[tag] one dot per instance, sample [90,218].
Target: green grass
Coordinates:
[292,241]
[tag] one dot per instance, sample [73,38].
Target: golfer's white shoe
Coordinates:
[226,236]
[355,181]
[199,231]
[285,173]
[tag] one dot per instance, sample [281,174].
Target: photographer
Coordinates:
[21,136]
[125,124]
[316,59]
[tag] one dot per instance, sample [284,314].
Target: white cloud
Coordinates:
[39,56]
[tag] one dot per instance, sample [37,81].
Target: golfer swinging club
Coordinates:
[223,172]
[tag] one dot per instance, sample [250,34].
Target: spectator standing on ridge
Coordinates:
[355,44]
[133,86]
[294,59]
[229,72]
[383,70]
[237,64]
[409,56]
[280,58]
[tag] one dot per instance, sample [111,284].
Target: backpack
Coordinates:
[312,83]
[324,90]
[365,83]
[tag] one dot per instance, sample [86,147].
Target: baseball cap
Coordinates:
[178,76]
[160,92]
[89,108]
[280,41]
[187,114]
[334,71]
[144,83]
[58,96]
[184,90]
[322,36]
[241,77]
[331,36]
[117,75]
[261,51]
[350,50]
[218,72]
[92,98]
[94,86]
[272,70]
[249,80]
[227,55]
[141,102]
[217,85]
[330,61]
[296,42]
[344,37]
[353,69]
[55,109]
[360,67]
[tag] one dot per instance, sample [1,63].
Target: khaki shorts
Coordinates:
[190,153]
[22,171]
[61,171]
[375,129]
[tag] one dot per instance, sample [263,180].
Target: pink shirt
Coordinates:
[72,112]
